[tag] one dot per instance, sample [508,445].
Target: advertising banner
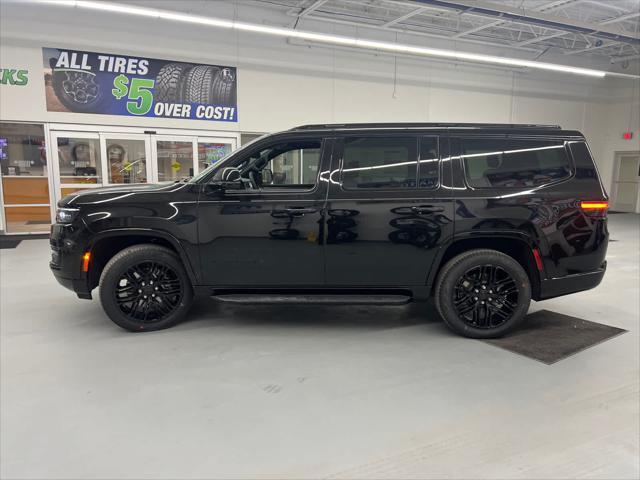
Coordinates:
[89,82]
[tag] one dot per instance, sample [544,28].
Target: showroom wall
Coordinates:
[282,84]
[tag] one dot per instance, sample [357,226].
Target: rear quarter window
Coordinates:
[514,163]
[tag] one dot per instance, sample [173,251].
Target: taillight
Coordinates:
[595,208]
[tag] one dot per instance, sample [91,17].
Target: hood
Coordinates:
[106,194]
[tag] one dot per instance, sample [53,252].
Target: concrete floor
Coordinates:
[309,392]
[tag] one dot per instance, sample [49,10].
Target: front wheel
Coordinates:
[482,293]
[144,288]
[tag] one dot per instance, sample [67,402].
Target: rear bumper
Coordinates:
[557,287]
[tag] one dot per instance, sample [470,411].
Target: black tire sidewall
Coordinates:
[126,259]
[457,267]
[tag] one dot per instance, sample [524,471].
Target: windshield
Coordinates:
[223,160]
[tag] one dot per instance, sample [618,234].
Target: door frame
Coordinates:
[617,156]
[55,162]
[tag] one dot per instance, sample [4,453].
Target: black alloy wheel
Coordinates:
[485,296]
[482,293]
[148,292]
[145,287]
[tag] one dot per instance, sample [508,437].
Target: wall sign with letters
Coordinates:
[89,82]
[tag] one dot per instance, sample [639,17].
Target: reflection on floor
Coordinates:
[250,391]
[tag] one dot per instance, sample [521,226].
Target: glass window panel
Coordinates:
[22,149]
[379,162]
[508,163]
[628,169]
[292,164]
[175,160]
[126,160]
[210,153]
[79,160]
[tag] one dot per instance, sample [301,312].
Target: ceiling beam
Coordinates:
[315,5]
[560,34]
[396,29]
[542,19]
[540,39]
[403,17]
[627,57]
[544,8]
[583,50]
[478,28]
[621,18]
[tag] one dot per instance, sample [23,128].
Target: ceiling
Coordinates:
[598,29]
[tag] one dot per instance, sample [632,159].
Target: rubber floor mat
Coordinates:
[9,242]
[550,337]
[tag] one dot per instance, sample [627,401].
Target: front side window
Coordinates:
[286,165]
[379,162]
[512,163]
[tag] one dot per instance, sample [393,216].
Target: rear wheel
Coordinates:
[145,287]
[482,293]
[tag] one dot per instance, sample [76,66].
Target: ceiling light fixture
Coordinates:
[326,38]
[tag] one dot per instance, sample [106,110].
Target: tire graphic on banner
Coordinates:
[210,85]
[170,82]
[77,90]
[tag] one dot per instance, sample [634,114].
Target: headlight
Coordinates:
[66,215]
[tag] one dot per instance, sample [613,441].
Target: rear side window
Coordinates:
[380,162]
[512,163]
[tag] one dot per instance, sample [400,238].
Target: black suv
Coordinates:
[481,217]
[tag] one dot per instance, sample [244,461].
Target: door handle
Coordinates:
[423,209]
[300,210]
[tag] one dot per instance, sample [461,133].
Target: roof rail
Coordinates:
[328,126]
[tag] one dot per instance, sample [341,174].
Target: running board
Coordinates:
[307,299]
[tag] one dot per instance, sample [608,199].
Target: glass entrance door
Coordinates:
[627,182]
[77,161]
[24,182]
[173,157]
[126,158]
[85,159]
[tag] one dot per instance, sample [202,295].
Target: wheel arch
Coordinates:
[518,245]
[105,245]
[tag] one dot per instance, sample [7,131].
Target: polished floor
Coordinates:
[310,392]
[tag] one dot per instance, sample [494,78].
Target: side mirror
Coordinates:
[267,176]
[230,179]
[221,186]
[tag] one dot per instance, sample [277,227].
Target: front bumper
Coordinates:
[66,259]
[556,287]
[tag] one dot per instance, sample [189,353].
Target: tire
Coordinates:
[209,85]
[459,287]
[151,307]
[170,82]
[78,90]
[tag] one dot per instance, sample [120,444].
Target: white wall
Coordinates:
[282,84]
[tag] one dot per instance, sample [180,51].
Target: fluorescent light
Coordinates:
[325,38]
